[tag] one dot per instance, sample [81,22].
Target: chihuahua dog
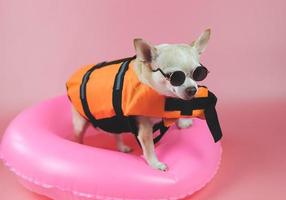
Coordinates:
[169,58]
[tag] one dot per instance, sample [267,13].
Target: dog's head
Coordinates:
[171,69]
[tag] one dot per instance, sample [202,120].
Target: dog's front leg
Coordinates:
[145,137]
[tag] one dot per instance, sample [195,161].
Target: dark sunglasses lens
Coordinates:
[177,78]
[200,73]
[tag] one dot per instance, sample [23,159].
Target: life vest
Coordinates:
[110,95]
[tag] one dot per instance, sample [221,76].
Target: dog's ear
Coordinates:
[201,43]
[145,52]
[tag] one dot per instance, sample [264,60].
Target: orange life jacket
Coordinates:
[110,95]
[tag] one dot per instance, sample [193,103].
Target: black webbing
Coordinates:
[117,97]
[83,93]
[84,83]
[202,103]
[117,88]
[163,129]
[212,119]
[117,102]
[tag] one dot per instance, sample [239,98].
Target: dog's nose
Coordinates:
[191,91]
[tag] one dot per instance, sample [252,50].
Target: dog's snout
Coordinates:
[191,91]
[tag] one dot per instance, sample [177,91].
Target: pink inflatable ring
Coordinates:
[38,148]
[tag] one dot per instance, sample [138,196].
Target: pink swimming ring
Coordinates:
[38,149]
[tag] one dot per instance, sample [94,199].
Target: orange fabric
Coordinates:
[137,98]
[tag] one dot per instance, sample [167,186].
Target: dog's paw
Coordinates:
[184,122]
[159,165]
[124,148]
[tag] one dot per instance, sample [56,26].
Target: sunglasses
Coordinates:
[177,78]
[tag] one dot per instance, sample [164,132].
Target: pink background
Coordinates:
[43,42]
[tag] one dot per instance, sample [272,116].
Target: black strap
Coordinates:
[117,97]
[83,93]
[203,103]
[212,119]
[117,87]
[163,129]
[117,103]
[119,60]
[187,106]
[84,82]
